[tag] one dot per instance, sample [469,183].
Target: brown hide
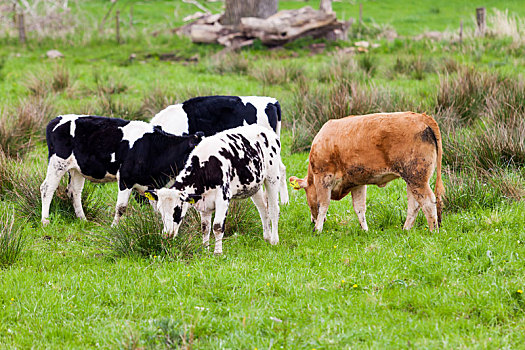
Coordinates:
[373,150]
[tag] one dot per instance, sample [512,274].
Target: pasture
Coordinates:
[82,284]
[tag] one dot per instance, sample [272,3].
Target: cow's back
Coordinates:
[213,114]
[371,149]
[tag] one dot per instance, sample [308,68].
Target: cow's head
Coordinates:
[297,183]
[172,205]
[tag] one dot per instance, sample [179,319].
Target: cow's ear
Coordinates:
[297,183]
[196,139]
[151,195]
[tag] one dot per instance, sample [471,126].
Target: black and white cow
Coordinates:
[134,153]
[232,164]
[212,114]
[95,147]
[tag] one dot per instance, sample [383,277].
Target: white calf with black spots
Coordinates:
[236,163]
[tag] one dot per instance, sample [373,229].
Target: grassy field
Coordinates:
[72,286]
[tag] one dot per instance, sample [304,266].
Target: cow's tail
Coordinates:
[439,188]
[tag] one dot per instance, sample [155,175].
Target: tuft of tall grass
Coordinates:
[415,67]
[368,64]
[242,218]
[22,125]
[277,74]
[41,84]
[112,106]
[341,66]
[139,234]
[158,99]
[479,189]
[313,106]
[11,240]
[228,63]
[21,183]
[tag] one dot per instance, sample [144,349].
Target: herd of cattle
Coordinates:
[208,150]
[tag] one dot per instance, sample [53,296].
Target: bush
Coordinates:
[11,240]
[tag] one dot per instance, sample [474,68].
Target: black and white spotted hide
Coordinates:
[134,153]
[213,114]
[232,164]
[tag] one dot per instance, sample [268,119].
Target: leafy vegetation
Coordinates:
[83,284]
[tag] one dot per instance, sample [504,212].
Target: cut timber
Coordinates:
[279,29]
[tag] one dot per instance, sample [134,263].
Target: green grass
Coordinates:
[344,288]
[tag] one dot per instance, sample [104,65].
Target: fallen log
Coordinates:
[279,29]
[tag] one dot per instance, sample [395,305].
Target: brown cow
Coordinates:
[348,154]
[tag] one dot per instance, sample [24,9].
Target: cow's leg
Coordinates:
[221,209]
[427,200]
[74,190]
[323,186]
[260,201]
[272,191]
[55,170]
[206,227]
[122,204]
[311,198]
[283,187]
[359,203]
[412,211]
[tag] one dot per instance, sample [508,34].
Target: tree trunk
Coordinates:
[236,9]
[326,6]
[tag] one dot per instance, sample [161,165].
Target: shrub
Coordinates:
[11,240]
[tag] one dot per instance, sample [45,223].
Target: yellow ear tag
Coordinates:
[149,196]
[295,185]
[191,201]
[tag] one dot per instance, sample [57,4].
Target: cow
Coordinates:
[210,113]
[136,154]
[232,164]
[350,153]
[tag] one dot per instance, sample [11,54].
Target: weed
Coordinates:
[11,240]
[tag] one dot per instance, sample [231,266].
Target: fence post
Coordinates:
[360,13]
[117,26]
[481,17]
[21,28]
[131,16]
[461,32]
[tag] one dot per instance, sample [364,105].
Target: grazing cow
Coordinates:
[232,164]
[348,154]
[134,153]
[212,114]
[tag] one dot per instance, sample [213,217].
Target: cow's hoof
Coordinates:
[274,241]
[45,222]
[217,252]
